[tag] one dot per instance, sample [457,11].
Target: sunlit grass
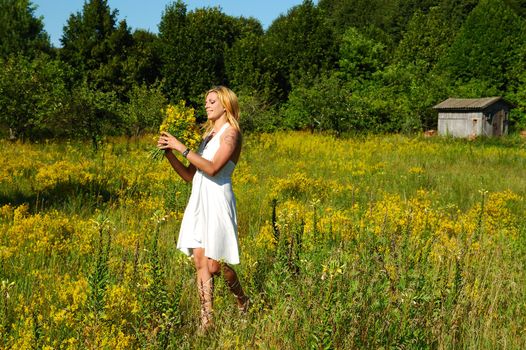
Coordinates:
[375,242]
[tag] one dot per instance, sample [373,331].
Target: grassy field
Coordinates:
[372,242]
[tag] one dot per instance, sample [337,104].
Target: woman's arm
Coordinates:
[185,172]
[165,143]
[228,146]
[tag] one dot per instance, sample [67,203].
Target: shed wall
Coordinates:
[462,124]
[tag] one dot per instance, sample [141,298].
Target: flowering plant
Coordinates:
[180,122]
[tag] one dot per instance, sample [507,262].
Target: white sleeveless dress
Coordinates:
[210,220]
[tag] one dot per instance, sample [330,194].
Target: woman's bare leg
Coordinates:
[234,285]
[215,268]
[205,287]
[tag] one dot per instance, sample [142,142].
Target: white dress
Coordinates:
[210,220]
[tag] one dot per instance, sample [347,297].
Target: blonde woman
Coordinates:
[209,227]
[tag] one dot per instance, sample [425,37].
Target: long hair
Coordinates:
[229,102]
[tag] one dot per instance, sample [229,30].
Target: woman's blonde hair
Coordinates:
[229,101]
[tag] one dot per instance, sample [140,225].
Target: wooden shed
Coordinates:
[470,117]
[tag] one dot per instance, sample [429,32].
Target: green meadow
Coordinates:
[367,242]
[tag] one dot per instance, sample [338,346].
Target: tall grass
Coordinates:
[367,242]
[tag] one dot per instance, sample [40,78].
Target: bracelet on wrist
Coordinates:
[186,151]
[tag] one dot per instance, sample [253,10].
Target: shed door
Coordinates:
[498,120]
[475,127]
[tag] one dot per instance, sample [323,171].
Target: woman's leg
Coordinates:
[215,268]
[205,287]
[234,285]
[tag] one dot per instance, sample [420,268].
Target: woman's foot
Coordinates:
[243,303]
[206,323]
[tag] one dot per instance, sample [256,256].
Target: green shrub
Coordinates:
[93,114]
[322,106]
[32,94]
[257,114]
[144,112]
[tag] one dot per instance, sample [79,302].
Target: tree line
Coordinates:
[338,65]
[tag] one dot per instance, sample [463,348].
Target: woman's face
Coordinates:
[214,108]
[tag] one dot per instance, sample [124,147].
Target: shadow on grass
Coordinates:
[70,195]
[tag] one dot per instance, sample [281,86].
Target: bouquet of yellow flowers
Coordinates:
[180,122]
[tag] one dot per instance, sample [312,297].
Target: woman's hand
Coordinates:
[169,142]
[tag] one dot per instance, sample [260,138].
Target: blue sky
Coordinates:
[146,14]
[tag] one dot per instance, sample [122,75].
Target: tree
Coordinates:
[97,47]
[321,106]
[32,95]
[211,33]
[176,67]
[360,14]
[487,46]
[374,18]
[519,6]
[297,48]
[360,56]
[193,47]
[92,113]
[144,61]
[431,30]
[144,112]
[21,33]
[426,39]
[243,59]
[243,64]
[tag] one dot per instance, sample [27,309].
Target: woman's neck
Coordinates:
[218,124]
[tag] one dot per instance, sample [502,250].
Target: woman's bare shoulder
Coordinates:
[231,136]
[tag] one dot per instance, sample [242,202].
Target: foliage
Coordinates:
[298,47]
[176,65]
[97,47]
[321,106]
[518,98]
[360,56]
[488,45]
[144,112]
[21,33]
[398,98]
[376,16]
[184,38]
[93,114]
[243,64]
[427,45]
[213,32]
[360,65]
[143,63]
[257,114]
[32,96]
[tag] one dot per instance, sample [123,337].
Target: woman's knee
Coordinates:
[200,260]
[214,267]
[228,272]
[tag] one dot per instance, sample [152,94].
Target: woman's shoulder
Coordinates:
[232,130]
[232,134]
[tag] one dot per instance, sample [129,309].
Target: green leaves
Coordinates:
[341,65]
[32,92]
[360,56]
[427,37]
[193,47]
[144,112]
[97,46]
[487,46]
[298,48]
[21,33]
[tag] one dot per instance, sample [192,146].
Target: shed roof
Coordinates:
[467,103]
